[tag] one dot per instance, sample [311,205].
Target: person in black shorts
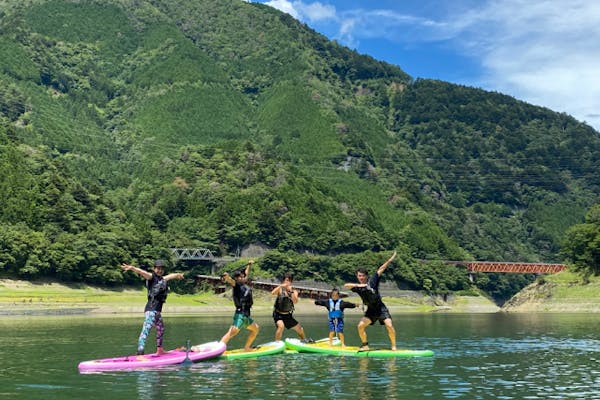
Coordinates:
[368,290]
[283,308]
[242,298]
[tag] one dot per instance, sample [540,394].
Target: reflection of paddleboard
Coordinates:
[198,352]
[323,347]
[265,349]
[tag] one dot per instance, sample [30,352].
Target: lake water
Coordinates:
[480,356]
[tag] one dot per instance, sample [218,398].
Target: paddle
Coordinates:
[187,360]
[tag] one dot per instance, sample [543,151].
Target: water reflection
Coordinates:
[150,385]
[476,357]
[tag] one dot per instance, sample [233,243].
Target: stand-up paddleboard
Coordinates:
[319,343]
[196,353]
[322,347]
[265,349]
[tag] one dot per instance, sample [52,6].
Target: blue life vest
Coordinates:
[335,310]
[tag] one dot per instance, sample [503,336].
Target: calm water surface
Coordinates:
[481,356]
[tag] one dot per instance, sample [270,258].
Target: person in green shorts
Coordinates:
[242,298]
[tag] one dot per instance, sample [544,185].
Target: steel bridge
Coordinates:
[199,254]
[510,267]
[204,254]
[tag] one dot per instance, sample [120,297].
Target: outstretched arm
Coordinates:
[322,302]
[144,274]
[347,304]
[247,270]
[353,285]
[385,264]
[174,275]
[228,279]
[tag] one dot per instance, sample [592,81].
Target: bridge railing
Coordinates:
[303,291]
[510,267]
[199,254]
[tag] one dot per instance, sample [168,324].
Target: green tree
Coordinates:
[581,246]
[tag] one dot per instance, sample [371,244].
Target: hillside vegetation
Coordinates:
[131,126]
[564,292]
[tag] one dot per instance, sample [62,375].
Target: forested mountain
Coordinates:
[131,126]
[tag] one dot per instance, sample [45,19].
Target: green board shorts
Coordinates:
[241,321]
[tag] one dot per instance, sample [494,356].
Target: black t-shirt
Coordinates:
[157,293]
[370,293]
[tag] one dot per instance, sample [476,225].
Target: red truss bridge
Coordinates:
[510,267]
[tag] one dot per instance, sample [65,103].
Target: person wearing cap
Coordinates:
[242,298]
[157,287]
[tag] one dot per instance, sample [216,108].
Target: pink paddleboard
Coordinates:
[197,353]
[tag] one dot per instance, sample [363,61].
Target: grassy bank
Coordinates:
[562,292]
[24,297]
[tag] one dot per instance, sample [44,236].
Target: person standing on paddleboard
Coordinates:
[157,295]
[284,308]
[336,307]
[368,290]
[242,298]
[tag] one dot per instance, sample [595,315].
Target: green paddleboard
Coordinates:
[323,347]
[265,349]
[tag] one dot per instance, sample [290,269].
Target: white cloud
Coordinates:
[285,6]
[316,11]
[545,52]
[308,12]
[385,24]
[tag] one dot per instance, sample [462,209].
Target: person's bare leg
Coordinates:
[362,325]
[253,328]
[279,330]
[230,334]
[391,332]
[300,331]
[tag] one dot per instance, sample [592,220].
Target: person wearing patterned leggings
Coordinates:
[157,295]
[152,318]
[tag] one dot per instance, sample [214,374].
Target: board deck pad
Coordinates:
[265,349]
[322,347]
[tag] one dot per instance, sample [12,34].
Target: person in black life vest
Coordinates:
[284,308]
[368,290]
[242,298]
[157,295]
[336,307]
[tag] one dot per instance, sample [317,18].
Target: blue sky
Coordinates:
[545,52]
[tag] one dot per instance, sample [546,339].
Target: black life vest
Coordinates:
[242,297]
[284,302]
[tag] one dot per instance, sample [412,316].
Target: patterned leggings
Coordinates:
[153,318]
